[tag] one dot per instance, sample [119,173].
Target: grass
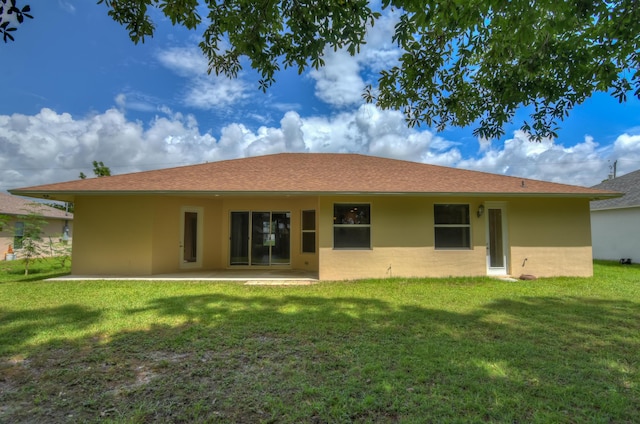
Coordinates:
[39,269]
[438,350]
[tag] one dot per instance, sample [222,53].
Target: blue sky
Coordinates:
[76,89]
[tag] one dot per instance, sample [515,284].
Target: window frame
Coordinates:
[18,234]
[466,226]
[347,226]
[308,231]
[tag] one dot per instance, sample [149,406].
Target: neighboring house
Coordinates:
[342,216]
[58,223]
[615,223]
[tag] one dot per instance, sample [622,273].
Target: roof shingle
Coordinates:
[312,173]
[629,184]
[13,205]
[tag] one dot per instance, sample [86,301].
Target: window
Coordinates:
[351,226]
[18,235]
[309,231]
[452,226]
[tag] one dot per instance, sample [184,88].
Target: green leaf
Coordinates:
[462,61]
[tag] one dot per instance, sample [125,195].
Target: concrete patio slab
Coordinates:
[247,276]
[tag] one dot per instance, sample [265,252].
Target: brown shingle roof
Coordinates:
[312,173]
[13,205]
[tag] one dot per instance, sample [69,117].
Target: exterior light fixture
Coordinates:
[480,211]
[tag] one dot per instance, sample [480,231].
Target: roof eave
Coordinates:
[69,196]
[46,216]
[609,208]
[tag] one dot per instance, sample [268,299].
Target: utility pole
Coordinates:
[613,169]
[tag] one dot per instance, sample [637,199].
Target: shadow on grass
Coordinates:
[19,328]
[13,271]
[314,359]
[35,276]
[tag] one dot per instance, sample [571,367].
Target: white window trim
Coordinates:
[470,247]
[352,226]
[314,231]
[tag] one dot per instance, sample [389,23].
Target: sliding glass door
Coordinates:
[260,238]
[239,247]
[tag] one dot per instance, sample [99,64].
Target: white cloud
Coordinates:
[389,135]
[626,149]
[49,146]
[67,6]
[581,164]
[210,93]
[202,91]
[137,102]
[184,61]
[340,83]
[380,52]
[291,125]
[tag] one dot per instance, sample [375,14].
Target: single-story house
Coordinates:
[59,223]
[341,216]
[615,223]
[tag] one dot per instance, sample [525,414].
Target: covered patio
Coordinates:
[246,276]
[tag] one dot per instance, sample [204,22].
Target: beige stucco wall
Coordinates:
[545,237]
[166,233]
[550,237]
[113,235]
[140,235]
[402,238]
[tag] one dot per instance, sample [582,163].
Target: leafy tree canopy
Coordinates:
[463,62]
[99,170]
[10,17]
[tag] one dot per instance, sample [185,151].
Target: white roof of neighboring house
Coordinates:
[629,184]
[14,205]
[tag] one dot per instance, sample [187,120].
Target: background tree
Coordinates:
[4,219]
[60,249]
[11,15]
[30,235]
[99,170]
[66,206]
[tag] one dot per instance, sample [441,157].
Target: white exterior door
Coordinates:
[191,219]
[497,241]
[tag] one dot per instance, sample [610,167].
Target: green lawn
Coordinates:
[449,350]
[13,271]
